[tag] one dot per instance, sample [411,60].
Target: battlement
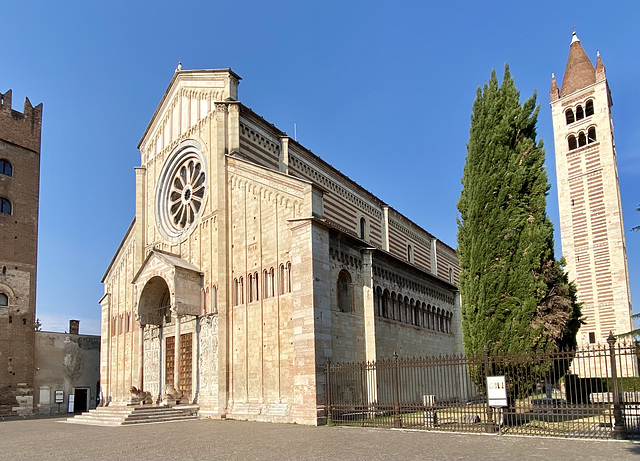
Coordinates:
[21,128]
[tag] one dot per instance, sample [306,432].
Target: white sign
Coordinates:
[497,391]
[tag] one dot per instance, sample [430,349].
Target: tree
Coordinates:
[516,298]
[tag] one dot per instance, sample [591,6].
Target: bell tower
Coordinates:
[591,227]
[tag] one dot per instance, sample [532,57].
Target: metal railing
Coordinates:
[586,393]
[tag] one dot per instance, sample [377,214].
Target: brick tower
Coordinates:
[19,193]
[591,225]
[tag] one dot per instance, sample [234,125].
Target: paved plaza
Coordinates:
[53,439]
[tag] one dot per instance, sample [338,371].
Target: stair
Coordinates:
[118,415]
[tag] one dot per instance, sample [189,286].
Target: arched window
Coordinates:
[409,253]
[591,135]
[235,292]
[385,303]
[573,144]
[407,310]
[281,280]
[5,206]
[589,107]
[579,113]
[6,168]
[265,283]
[271,284]
[363,228]
[451,275]
[570,117]
[582,139]
[345,292]
[240,291]
[289,285]
[4,300]
[214,299]
[251,288]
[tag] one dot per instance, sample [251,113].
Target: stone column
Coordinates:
[141,358]
[176,356]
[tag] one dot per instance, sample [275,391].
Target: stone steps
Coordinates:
[124,415]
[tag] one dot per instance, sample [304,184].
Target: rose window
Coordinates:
[181,192]
[187,193]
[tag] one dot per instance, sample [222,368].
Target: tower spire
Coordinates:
[579,72]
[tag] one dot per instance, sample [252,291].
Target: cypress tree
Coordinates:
[516,298]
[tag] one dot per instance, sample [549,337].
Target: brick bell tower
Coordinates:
[19,194]
[593,242]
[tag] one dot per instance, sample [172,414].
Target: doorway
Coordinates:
[81,397]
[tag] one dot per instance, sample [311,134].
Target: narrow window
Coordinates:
[272,282]
[265,283]
[241,290]
[589,107]
[570,116]
[592,337]
[289,286]
[450,275]
[10,319]
[409,254]
[591,135]
[345,292]
[4,300]
[6,168]
[235,292]
[363,227]
[250,280]
[257,291]
[5,206]
[281,279]
[214,299]
[572,142]
[582,139]
[579,113]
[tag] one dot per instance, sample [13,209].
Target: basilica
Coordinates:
[251,262]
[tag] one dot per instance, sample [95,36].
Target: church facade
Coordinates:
[251,262]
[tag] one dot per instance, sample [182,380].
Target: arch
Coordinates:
[569,116]
[582,139]
[589,108]
[363,228]
[155,302]
[345,291]
[5,167]
[407,310]
[5,206]
[591,135]
[573,144]
[385,303]
[451,275]
[281,280]
[4,300]
[409,253]
[579,113]
[289,278]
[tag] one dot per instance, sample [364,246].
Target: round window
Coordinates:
[182,187]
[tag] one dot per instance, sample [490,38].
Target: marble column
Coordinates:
[176,357]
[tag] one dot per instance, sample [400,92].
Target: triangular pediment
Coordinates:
[189,99]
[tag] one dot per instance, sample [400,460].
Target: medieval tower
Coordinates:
[593,242]
[19,193]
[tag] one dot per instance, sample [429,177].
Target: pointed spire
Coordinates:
[554,93]
[579,72]
[600,71]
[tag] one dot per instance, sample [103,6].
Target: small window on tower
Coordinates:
[4,300]
[582,139]
[589,107]
[5,206]
[572,142]
[579,113]
[592,337]
[570,117]
[591,135]
[6,168]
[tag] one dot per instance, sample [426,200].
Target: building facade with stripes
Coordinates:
[251,262]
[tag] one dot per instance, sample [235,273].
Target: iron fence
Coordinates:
[586,393]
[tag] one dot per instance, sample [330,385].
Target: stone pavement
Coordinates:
[52,439]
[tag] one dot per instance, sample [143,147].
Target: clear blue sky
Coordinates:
[381,90]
